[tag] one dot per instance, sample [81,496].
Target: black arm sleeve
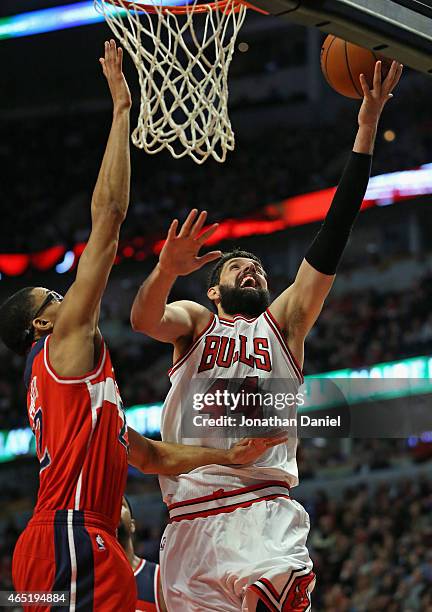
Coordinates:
[326,250]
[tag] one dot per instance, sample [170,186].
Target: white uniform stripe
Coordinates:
[72,381]
[73,586]
[262,587]
[139,567]
[156,588]
[78,491]
[94,405]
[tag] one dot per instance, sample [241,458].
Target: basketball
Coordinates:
[342,63]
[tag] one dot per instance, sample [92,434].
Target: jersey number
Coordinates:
[44,459]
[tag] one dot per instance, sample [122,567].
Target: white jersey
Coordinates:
[229,349]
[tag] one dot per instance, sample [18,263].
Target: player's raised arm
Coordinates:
[153,457]
[299,306]
[150,313]
[77,320]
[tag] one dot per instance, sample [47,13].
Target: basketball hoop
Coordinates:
[182,55]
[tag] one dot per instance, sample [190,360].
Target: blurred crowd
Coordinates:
[373,552]
[368,327]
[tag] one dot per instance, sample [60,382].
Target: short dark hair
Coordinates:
[15,320]
[215,274]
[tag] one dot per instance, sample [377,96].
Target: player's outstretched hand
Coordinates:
[374,99]
[112,68]
[249,450]
[179,255]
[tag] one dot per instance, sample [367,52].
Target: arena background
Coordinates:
[370,500]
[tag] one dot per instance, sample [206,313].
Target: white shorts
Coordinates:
[224,551]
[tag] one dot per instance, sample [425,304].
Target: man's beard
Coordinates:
[122,534]
[248,302]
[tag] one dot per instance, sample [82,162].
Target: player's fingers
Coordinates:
[208,257]
[108,54]
[197,227]
[269,442]
[397,75]
[120,57]
[112,50]
[187,225]
[102,63]
[393,77]
[377,79]
[388,81]
[392,71]
[172,230]
[244,442]
[365,87]
[208,232]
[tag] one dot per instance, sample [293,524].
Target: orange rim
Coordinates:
[187,8]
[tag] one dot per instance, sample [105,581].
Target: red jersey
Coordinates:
[81,435]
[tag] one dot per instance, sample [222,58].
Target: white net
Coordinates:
[182,62]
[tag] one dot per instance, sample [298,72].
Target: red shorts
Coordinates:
[77,552]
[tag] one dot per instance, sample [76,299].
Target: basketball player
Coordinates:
[76,413]
[246,537]
[147,574]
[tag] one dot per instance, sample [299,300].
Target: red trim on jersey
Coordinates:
[187,354]
[74,379]
[226,509]
[221,493]
[274,325]
[227,323]
[296,598]
[299,585]
[248,320]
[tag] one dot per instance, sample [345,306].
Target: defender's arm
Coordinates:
[76,325]
[152,457]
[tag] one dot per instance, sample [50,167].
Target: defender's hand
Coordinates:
[112,68]
[179,255]
[375,99]
[249,450]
